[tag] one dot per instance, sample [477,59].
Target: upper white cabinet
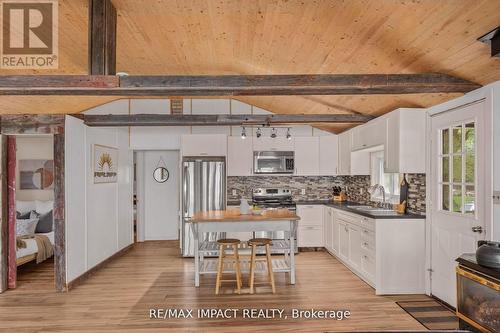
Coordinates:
[307,156]
[204,145]
[405,143]
[344,153]
[239,156]
[328,155]
[369,135]
[266,143]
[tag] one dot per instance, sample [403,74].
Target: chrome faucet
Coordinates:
[377,187]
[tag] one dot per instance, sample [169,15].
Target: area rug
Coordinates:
[431,314]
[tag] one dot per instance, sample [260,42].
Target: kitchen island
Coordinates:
[232,221]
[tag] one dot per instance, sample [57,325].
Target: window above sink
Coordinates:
[390,181]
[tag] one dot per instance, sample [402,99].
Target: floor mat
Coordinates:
[431,314]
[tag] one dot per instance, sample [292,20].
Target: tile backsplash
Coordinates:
[316,187]
[320,188]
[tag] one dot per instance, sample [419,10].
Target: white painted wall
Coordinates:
[161,200]
[36,147]
[99,217]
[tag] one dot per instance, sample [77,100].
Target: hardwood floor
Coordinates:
[118,298]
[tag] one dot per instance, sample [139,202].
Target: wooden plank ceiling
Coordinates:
[168,37]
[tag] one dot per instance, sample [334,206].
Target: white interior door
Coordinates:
[457,192]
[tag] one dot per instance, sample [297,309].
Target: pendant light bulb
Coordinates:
[243,133]
[258,133]
[288,134]
[273,134]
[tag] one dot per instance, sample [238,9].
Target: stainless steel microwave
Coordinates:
[273,162]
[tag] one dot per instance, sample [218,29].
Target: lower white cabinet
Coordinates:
[328,229]
[310,230]
[389,254]
[310,236]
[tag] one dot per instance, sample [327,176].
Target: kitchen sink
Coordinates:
[361,207]
[374,210]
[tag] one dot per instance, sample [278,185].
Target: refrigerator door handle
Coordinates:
[186,190]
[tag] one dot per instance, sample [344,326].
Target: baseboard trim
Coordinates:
[80,279]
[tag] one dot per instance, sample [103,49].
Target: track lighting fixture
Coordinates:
[288,134]
[258,133]
[243,132]
[273,133]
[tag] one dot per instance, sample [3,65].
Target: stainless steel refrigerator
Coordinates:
[203,188]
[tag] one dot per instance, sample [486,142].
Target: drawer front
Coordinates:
[368,244]
[368,266]
[310,214]
[368,236]
[310,236]
[367,223]
[347,217]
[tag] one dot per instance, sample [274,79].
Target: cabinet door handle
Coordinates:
[365,244]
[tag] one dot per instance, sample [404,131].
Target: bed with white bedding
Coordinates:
[34,218]
[31,248]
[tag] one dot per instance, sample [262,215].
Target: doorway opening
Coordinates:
[31,178]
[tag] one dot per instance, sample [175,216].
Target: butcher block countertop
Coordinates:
[233,215]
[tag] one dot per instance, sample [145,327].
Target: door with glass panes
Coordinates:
[457,193]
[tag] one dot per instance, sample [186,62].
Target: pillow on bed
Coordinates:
[23,216]
[26,227]
[43,207]
[45,222]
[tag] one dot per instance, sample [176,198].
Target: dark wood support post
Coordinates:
[4,222]
[102,37]
[59,214]
[11,210]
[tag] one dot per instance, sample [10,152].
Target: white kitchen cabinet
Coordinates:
[360,163]
[307,156]
[239,156]
[328,229]
[311,228]
[328,155]
[354,256]
[276,144]
[405,142]
[389,254]
[310,236]
[344,153]
[335,232]
[369,135]
[204,145]
[343,252]
[310,214]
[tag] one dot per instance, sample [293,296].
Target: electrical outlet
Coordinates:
[303,191]
[233,192]
[496,197]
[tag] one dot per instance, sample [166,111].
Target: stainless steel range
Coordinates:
[274,198]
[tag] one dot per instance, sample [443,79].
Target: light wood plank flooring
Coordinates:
[118,298]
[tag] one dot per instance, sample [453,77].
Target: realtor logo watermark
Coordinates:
[29,34]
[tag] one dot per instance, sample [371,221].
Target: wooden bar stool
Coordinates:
[223,243]
[253,243]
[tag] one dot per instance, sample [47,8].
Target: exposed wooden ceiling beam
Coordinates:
[217,120]
[234,85]
[102,37]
